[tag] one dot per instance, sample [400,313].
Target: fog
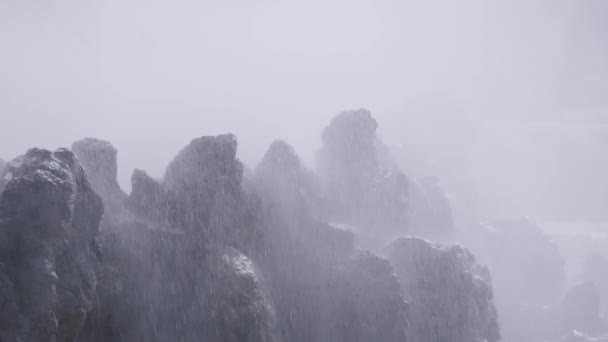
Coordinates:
[505,102]
[149,75]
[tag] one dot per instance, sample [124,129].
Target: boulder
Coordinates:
[49,222]
[450,294]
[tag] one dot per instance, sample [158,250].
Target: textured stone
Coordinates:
[450,294]
[49,221]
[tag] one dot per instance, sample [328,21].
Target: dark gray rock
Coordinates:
[171,270]
[49,221]
[450,294]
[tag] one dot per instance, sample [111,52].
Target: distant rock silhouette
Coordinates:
[98,158]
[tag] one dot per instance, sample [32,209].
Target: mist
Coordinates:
[268,69]
[505,102]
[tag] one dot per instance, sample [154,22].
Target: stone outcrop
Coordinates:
[354,180]
[49,222]
[172,271]
[98,158]
[450,294]
[324,289]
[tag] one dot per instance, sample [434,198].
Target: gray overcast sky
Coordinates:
[149,75]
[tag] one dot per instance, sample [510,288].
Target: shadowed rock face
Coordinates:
[450,295]
[171,270]
[49,221]
[98,158]
[206,178]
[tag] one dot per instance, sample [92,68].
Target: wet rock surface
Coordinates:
[450,294]
[49,222]
[214,252]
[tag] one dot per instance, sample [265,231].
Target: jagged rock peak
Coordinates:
[450,294]
[99,160]
[352,135]
[49,221]
[282,155]
[205,160]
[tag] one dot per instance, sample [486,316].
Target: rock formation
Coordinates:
[171,270]
[354,181]
[98,158]
[49,221]
[594,270]
[450,295]
[323,288]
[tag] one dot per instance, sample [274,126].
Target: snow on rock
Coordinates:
[450,294]
[49,221]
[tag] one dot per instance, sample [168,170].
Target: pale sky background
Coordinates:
[511,94]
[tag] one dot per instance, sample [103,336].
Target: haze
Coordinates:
[510,95]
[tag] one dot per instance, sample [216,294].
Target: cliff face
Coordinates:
[450,294]
[198,255]
[49,222]
[173,270]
